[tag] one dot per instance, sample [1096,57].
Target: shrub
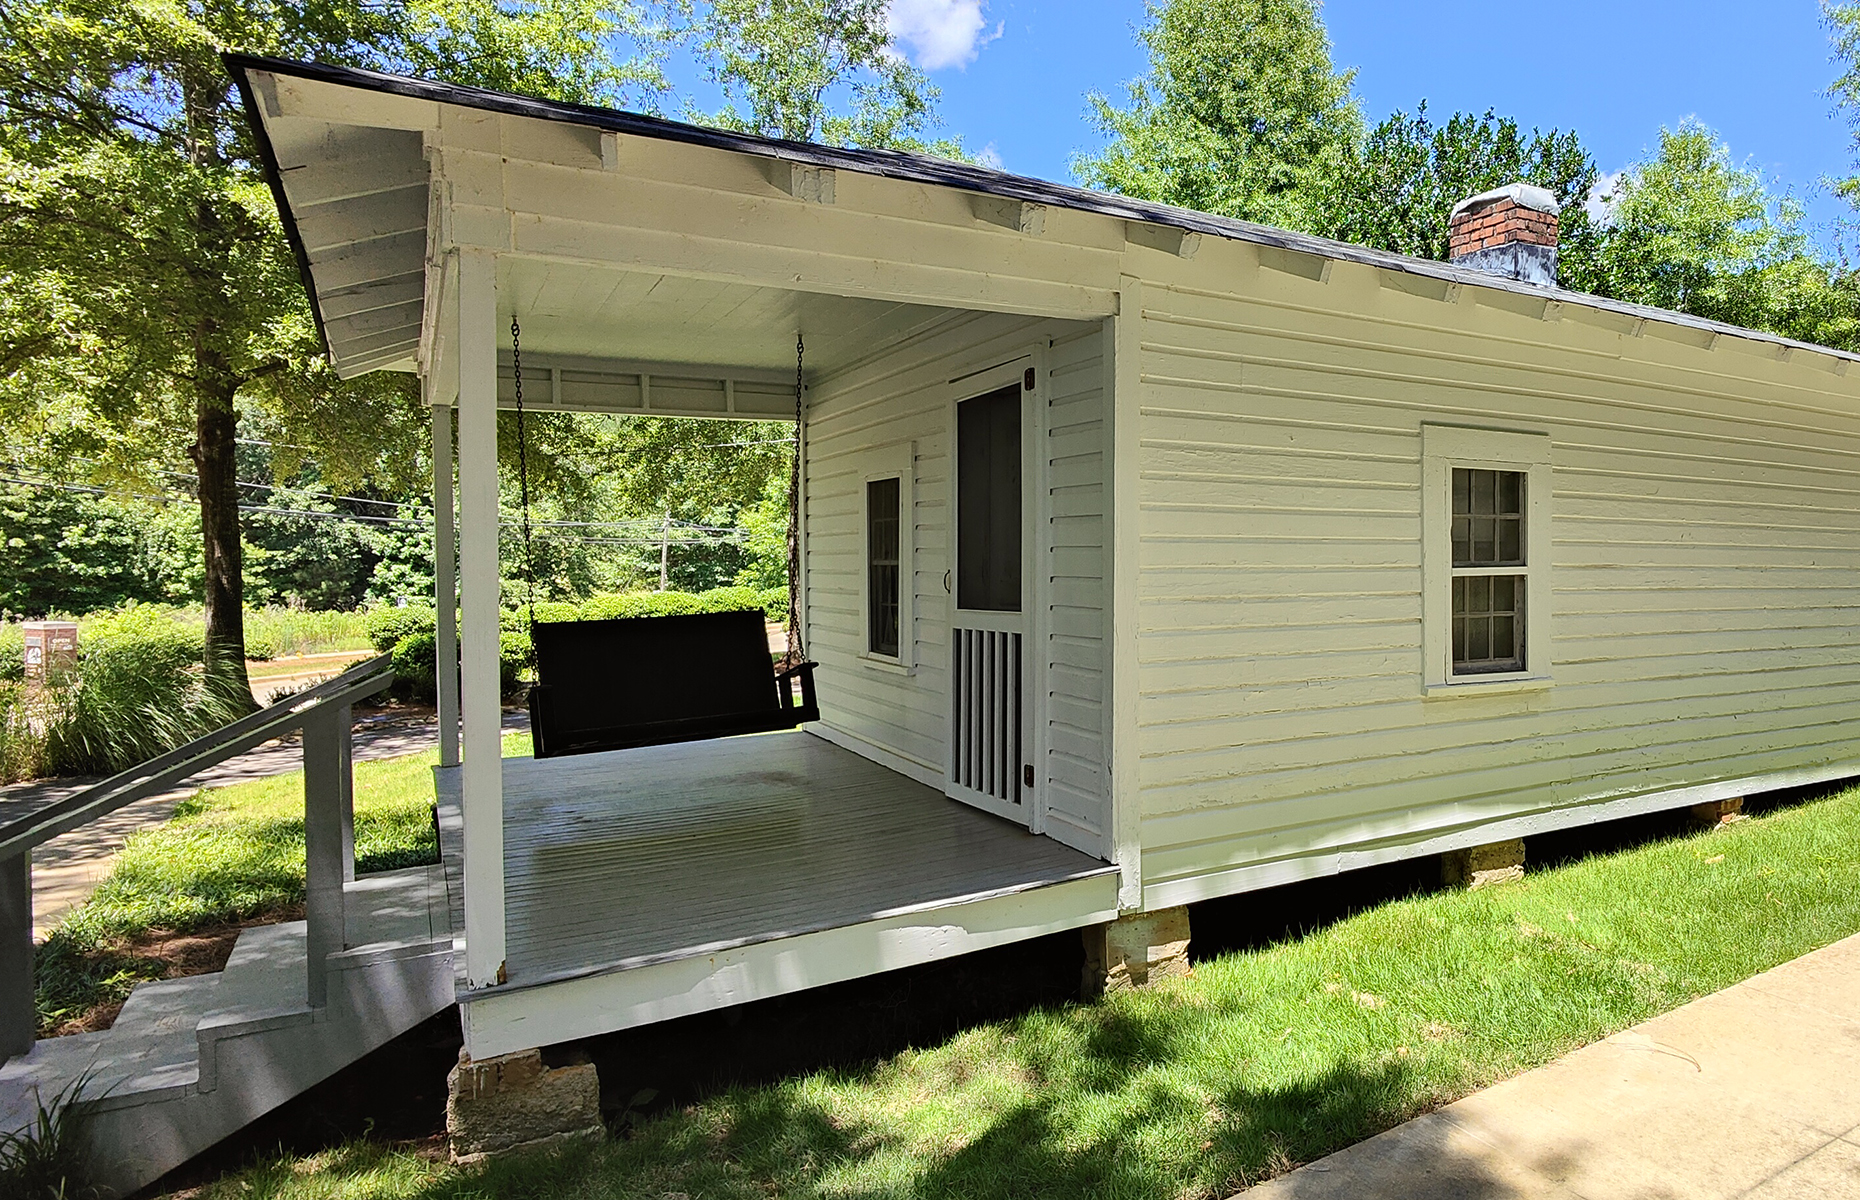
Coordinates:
[388,625]
[417,654]
[12,654]
[775,603]
[415,660]
[730,599]
[614,605]
[258,648]
[139,691]
[516,661]
[553,610]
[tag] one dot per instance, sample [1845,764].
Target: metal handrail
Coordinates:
[165,770]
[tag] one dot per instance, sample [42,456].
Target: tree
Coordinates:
[144,278]
[1397,191]
[815,70]
[1690,230]
[1241,114]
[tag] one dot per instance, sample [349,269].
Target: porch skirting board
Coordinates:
[508,1022]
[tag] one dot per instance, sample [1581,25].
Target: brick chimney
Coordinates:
[1511,231]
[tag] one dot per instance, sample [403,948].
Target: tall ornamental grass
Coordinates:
[139,690]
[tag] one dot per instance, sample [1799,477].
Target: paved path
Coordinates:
[67,869]
[1753,1092]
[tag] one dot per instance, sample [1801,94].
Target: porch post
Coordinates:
[446,592]
[18,1016]
[483,770]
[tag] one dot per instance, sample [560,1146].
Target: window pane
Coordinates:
[988,502]
[1488,518]
[1484,484]
[1510,541]
[1488,624]
[882,565]
[1510,492]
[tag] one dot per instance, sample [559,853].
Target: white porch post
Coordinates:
[445,590]
[483,772]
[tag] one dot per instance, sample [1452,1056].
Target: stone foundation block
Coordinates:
[1483,866]
[1136,951]
[513,1102]
[1718,812]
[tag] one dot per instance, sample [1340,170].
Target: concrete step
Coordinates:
[190,1061]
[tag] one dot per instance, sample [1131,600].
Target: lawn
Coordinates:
[1262,1061]
[229,856]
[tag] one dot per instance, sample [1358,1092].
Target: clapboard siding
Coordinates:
[1704,568]
[901,394]
[1073,768]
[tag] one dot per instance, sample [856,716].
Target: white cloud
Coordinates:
[939,33]
[991,158]
[1601,200]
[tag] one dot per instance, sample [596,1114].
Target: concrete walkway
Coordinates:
[1752,1092]
[67,869]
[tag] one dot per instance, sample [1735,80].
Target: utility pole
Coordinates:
[665,554]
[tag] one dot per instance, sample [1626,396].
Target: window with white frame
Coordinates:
[1485,508]
[886,590]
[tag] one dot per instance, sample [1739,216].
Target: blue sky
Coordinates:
[1014,73]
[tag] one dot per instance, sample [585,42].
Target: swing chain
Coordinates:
[797,650]
[523,472]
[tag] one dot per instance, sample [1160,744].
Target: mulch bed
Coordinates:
[175,956]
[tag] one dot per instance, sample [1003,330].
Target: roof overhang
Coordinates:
[352,186]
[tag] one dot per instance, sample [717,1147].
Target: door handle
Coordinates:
[946,587]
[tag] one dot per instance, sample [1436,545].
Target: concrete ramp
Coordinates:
[190,1061]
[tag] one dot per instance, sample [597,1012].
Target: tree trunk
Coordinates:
[215,426]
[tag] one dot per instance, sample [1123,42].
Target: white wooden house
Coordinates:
[1130,549]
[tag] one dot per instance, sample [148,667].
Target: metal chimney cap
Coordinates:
[1529,195]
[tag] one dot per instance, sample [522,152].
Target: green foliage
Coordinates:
[1690,230]
[12,654]
[788,62]
[641,604]
[387,625]
[1242,113]
[1397,191]
[139,691]
[46,1159]
[72,551]
[22,741]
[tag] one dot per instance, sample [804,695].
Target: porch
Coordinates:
[646,884]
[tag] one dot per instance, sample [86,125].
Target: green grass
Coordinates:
[1263,1060]
[228,854]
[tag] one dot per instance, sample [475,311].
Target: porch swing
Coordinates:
[653,681]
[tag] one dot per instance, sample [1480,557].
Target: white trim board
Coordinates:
[1212,884]
[506,1023]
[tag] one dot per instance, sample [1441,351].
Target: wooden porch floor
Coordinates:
[639,857]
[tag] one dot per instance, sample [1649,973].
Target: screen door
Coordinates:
[988,718]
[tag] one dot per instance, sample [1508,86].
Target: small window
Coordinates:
[882,566]
[1486,601]
[1489,582]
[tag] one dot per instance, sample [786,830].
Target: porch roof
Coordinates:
[354,200]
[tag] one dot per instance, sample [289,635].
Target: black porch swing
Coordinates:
[653,681]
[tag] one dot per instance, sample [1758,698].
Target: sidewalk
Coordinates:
[67,869]
[1752,1092]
